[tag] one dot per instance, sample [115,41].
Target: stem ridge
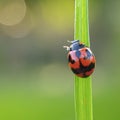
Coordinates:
[83,86]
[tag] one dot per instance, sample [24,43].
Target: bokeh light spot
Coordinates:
[12,12]
[19,30]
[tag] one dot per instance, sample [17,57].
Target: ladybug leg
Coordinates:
[67,48]
[69,41]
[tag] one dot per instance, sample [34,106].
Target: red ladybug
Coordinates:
[81,59]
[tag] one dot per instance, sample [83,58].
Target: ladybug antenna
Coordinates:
[73,41]
[69,41]
[67,48]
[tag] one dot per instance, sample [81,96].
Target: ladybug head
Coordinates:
[73,41]
[75,45]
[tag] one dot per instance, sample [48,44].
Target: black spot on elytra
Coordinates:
[85,58]
[88,54]
[78,53]
[70,59]
[82,69]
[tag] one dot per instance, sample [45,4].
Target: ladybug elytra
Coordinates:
[80,59]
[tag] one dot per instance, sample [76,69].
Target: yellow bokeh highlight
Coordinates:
[12,12]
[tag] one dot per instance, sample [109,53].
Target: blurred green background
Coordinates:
[35,81]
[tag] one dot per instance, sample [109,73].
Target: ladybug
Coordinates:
[80,59]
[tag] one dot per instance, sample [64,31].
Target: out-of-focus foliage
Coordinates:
[35,81]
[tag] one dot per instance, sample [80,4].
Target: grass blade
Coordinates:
[83,86]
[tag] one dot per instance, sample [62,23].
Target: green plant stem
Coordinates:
[83,86]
